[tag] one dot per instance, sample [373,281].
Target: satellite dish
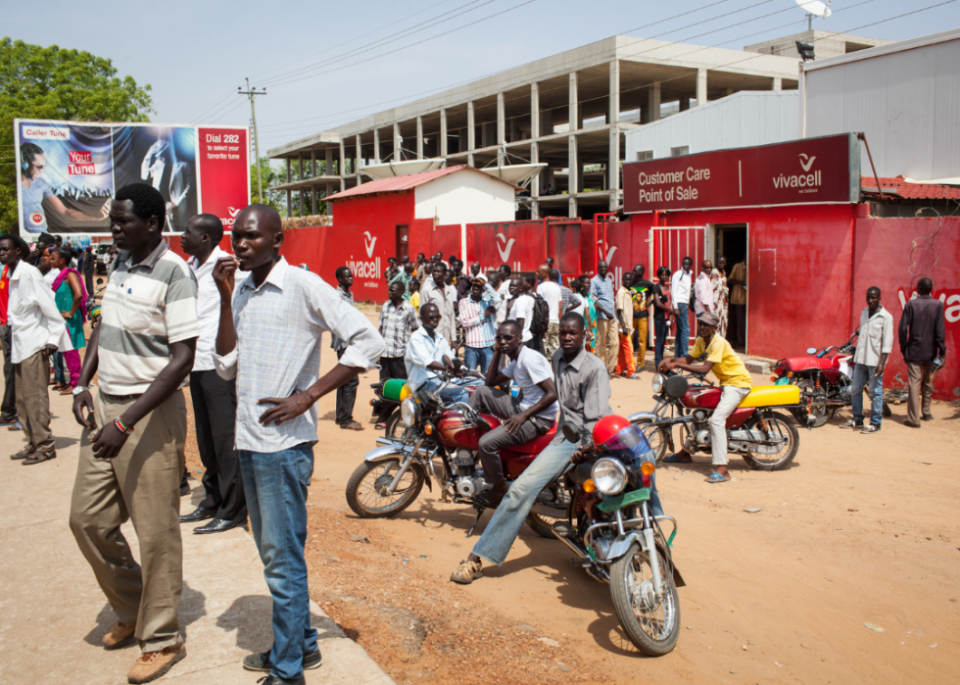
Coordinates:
[815,8]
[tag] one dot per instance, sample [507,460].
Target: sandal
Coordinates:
[67,391]
[716,477]
[674,459]
[380,426]
[352,426]
[467,572]
[851,424]
[871,428]
[15,427]
[22,454]
[40,456]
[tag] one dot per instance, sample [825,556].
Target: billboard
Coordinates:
[813,170]
[69,172]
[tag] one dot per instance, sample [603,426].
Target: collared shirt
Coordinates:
[503,308]
[602,290]
[279,326]
[577,305]
[523,309]
[347,296]
[704,288]
[922,330]
[727,365]
[876,337]
[396,325]
[146,308]
[32,313]
[421,351]
[208,308]
[583,391]
[478,328]
[51,276]
[625,307]
[529,369]
[567,297]
[680,285]
[445,300]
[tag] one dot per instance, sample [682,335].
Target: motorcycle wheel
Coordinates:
[395,426]
[653,629]
[368,481]
[820,414]
[659,439]
[776,423]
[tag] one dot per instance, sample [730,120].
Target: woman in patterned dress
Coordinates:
[721,295]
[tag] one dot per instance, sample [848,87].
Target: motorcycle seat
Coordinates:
[771,396]
[797,364]
[538,444]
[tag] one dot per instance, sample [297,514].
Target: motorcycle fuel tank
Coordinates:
[455,431]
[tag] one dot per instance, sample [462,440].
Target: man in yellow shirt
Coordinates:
[735,383]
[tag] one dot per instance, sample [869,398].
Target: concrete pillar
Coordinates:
[376,146]
[302,202]
[288,203]
[653,102]
[340,168]
[535,159]
[397,155]
[288,181]
[534,110]
[359,153]
[313,163]
[572,207]
[701,87]
[778,83]
[314,192]
[573,169]
[534,210]
[501,128]
[443,133]
[573,101]
[328,194]
[419,137]
[299,166]
[471,133]
[613,157]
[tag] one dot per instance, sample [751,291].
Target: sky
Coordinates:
[328,63]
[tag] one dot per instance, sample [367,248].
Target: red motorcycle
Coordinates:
[766,439]
[392,476]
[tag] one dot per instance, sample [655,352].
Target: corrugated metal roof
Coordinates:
[910,191]
[401,183]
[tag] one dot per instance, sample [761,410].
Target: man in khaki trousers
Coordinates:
[131,451]
[922,337]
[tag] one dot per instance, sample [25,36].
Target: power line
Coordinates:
[252,94]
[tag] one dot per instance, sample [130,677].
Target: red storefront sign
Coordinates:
[224,162]
[814,170]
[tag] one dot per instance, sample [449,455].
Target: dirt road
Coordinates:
[849,573]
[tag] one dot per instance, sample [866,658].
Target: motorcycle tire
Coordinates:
[395,426]
[659,439]
[541,517]
[653,635]
[786,425]
[821,414]
[406,495]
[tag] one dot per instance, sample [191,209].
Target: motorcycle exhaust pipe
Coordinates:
[827,403]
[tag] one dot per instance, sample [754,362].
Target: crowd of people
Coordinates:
[244,331]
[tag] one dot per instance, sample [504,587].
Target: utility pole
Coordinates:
[252,94]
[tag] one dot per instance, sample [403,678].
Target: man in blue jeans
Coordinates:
[870,360]
[269,339]
[429,353]
[681,288]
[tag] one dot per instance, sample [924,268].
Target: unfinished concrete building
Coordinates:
[568,112]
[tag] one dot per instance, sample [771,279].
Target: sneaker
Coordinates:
[118,634]
[467,572]
[40,456]
[261,661]
[152,665]
[851,424]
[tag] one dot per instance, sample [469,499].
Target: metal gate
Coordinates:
[668,246]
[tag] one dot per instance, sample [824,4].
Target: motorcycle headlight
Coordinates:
[409,411]
[658,382]
[610,476]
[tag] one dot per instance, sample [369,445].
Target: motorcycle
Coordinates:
[766,439]
[825,378]
[392,475]
[613,525]
[393,391]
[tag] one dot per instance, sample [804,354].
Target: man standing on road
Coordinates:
[662,312]
[269,340]
[89,269]
[214,399]
[624,306]
[606,344]
[436,291]
[398,319]
[738,305]
[131,451]
[521,310]
[870,360]
[477,317]
[582,386]
[735,383]
[704,288]
[36,327]
[8,413]
[642,291]
[680,292]
[503,310]
[550,291]
[347,392]
[923,344]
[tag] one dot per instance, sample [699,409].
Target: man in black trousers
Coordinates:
[214,399]
[346,393]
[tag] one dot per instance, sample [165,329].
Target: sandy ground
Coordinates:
[848,574]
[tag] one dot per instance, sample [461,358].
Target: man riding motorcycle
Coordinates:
[734,380]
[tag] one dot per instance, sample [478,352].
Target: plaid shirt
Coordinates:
[279,326]
[478,328]
[396,325]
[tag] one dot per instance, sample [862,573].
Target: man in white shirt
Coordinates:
[680,287]
[435,291]
[550,291]
[523,419]
[214,398]
[704,289]
[503,309]
[36,326]
[428,353]
[521,310]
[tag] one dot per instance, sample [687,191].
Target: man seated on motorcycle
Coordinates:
[428,353]
[524,419]
[583,390]
[734,380]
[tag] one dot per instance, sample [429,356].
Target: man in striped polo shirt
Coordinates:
[131,451]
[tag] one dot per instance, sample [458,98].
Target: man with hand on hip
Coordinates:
[681,290]
[873,348]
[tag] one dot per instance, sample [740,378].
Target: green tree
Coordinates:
[50,83]
[269,177]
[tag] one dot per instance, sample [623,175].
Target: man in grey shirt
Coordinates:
[870,360]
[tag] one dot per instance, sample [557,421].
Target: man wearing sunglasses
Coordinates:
[428,353]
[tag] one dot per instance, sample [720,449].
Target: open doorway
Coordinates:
[731,243]
[403,242]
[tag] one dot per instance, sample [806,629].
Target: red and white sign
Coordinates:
[222,154]
[814,170]
[46,133]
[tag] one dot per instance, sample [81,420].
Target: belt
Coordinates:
[119,398]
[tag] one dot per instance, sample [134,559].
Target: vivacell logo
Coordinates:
[508,246]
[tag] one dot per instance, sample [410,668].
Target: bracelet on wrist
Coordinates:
[122,427]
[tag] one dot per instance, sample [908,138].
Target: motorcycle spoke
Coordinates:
[371,492]
[779,433]
[656,620]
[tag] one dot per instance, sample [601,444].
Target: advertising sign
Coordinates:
[813,170]
[69,172]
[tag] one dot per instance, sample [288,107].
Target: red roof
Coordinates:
[397,184]
[911,191]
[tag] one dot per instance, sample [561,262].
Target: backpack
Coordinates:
[541,315]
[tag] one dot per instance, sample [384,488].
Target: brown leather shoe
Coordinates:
[118,634]
[152,665]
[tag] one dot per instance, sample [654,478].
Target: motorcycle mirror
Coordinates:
[811,350]
[570,432]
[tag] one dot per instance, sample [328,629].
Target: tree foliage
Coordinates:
[51,83]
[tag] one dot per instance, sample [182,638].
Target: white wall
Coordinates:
[465,197]
[906,98]
[743,119]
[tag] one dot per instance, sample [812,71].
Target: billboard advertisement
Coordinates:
[813,170]
[69,172]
